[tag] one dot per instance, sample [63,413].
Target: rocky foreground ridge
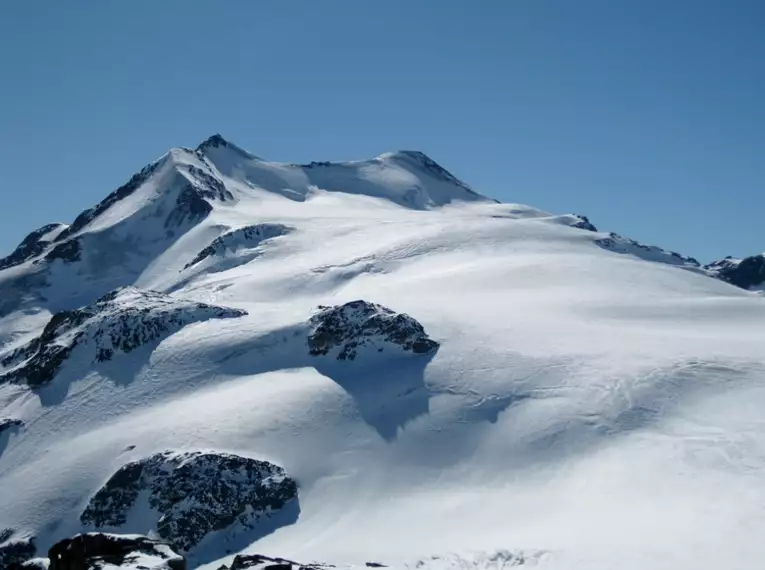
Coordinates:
[119,322]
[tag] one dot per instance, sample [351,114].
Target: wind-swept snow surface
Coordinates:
[587,407]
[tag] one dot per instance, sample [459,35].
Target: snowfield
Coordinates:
[587,408]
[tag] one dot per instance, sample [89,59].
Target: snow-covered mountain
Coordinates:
[368,363]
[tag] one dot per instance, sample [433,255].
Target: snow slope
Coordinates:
[586,407]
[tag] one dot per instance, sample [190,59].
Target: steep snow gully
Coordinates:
[234,363]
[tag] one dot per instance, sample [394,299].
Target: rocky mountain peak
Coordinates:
[214,141]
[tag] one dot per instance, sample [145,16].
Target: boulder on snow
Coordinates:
[346,328]
[194,493]
[15,549]
[94,551]
[120,321]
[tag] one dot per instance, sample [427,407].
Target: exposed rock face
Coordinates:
[260,562]
[619,244]
[247,237]
[32,245]
[68,251]
[7,424]
[346,328]
[194,493]
[214,141]
[14,550]
[583,223]
[192,202]
[94,551]
[747,273]
[120,321]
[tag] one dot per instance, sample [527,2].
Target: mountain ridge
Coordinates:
[206,184]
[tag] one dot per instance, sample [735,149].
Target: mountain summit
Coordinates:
[235,363]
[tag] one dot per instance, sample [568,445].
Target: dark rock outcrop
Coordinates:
[247,237]
[120,321]
[745,273]
[189,206]
[32,246]
[316,164]
[583,223]
[260,562]
[7,424]
[620,244]
[92,551]
[194,493]
[346,328]
[14,550]
[192,203]
[68,251]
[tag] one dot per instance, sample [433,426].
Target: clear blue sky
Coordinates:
[646,115]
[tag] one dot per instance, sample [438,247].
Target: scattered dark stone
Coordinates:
[120,321]
[375,565]
[15,550]
[360,323]
[92,551]
[32,246]
[252,236]
[193,493]
[746,273]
